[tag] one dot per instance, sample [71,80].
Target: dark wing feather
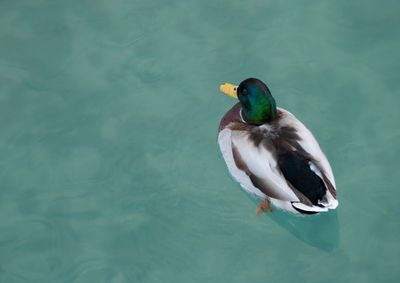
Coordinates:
[296,169]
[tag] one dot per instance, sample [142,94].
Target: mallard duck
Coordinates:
[272,154]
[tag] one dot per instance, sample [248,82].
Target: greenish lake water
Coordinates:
[109,165]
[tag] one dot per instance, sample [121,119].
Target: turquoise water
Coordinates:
[109,165]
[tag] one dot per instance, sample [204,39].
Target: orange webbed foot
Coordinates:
[263,207]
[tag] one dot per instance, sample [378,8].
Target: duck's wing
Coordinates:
[307,160]
[301,174]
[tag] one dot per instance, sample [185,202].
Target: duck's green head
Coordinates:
[258,105]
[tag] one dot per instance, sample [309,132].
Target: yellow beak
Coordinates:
[229,89]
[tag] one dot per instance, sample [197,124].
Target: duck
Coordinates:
[272,155]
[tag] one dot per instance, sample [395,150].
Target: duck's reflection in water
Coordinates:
[320,230]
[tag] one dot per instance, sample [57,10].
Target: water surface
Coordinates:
[109,165]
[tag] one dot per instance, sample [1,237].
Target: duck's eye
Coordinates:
[244,91]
